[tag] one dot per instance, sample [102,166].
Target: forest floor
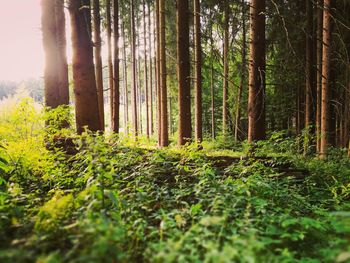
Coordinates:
[118,201]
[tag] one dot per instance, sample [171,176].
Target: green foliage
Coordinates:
[120,201]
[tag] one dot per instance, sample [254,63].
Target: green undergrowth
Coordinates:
[117,201]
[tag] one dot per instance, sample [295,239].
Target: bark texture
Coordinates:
[257,61]
[86,100]
[183,63]
[198,72]
[163,76]
[116,83]
[326,53]
[98,59]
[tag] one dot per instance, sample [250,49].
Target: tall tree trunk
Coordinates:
[139,88]
[326,53]
[134,77]
[163,77]
[150,71]
[145,62]
[109,60]
[116,86]
[226,71]
[309,85]
[98,59]
[319,72]
[63,85]
[125,82]
[238,131]
[198,72]
[213,134]
[256,100]
[86,100]
[158,78]
[54,41]
[183,64]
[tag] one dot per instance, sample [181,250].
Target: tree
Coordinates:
[257,61]
[309,76]
[116,86]
[212,92]
[125,83]
[150,71]
[134,76]
[86,100]
[54,42]
[163,77]
[198,72]
[98,59]
[145,68]
[183,64]
[238,131]
[319,72]
[226,69]
[157,69]
[326,53]
[109,54]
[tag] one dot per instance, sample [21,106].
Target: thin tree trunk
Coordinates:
[116,86]
[183,63]
[319,72]
[125,82]
[256,100]
[63,85]
[134,80]
[145,69]
[198,72]
[150,71]
[240,89]
[213,134]
[86,100]
[163,76]
[326,53]
[139,86]
[109,60]
[98,59]
[226,71]
[158,79]
[309,86]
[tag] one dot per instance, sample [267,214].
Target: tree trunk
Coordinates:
[116,86]
[256,100]
[134,80]
[145,69]
[157,68]
[150,71]
[86,100]
[213,134]
[226,71]
[54,41]
[109,61]
[309,85]
[326,53]
[198,72]
[238,131]
[98,59]
[125,82]
[183,64]
[163,77]
[319,72]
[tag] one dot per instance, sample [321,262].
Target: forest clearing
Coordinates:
[175,131]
